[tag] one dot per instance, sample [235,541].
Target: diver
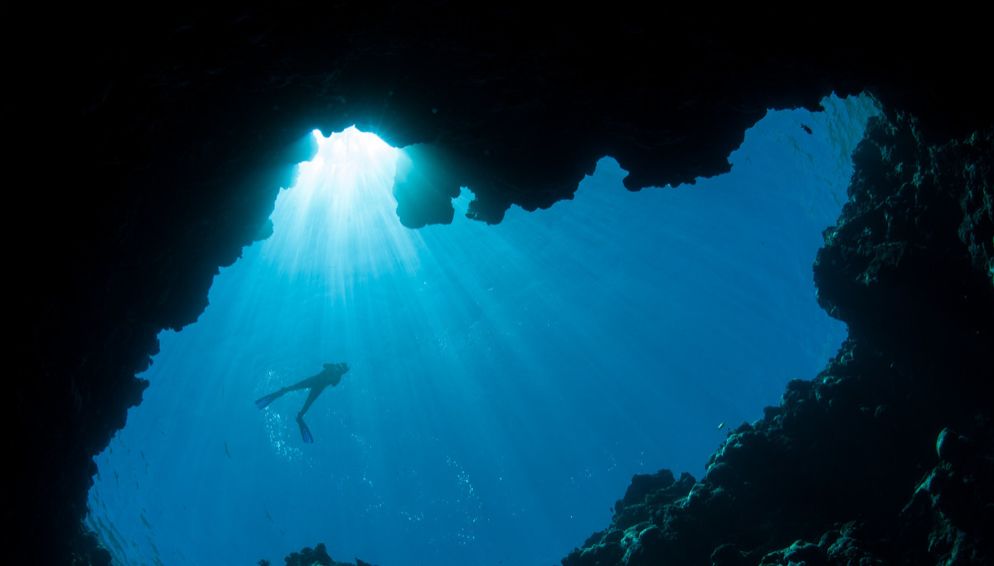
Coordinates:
[330,375]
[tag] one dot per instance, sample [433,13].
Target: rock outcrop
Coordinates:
[317,556]
[850,461]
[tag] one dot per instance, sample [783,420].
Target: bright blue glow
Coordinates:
[339,224]
[506,380]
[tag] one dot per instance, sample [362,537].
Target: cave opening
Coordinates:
[506,381]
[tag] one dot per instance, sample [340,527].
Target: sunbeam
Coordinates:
[339,221]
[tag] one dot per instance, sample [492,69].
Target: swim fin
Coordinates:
[264,401]
[305,432]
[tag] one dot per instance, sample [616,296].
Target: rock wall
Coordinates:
[885,457]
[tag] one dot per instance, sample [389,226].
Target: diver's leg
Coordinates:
[315,392]
[303,384]
[262,402]
[305,432]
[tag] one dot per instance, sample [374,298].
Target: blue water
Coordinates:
[506,380]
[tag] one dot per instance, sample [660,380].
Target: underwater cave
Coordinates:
[505,380]
[591,252]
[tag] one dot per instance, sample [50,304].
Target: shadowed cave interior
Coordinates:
[188,127]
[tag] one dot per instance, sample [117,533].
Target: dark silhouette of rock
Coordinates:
[908,268]
[310,557]
[951,515]
[148,153]
[845,545]
[317,556]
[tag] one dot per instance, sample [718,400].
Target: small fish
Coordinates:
[721,425]
[806,128]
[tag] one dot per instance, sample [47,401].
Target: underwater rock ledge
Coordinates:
[887,456]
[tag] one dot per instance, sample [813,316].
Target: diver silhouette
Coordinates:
[330,375]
